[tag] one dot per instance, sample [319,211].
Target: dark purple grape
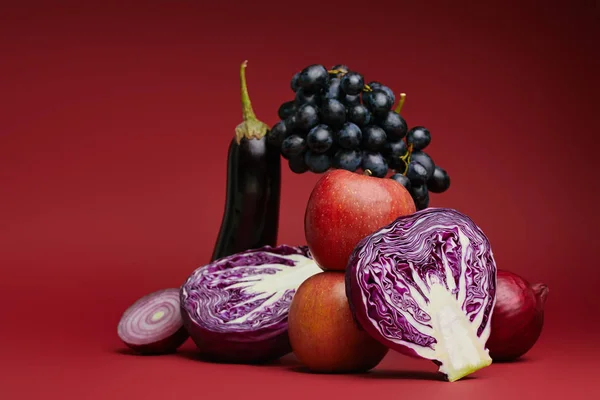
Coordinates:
[375,163]
[307,117]
[350,100]
[334,90]
[320,139]
[349,137]
[439,181]
[350,160]
[303,98]
[392,152]
[416,173]
[423,158]
[293,145]
[333,113]
[373,138]
[317,163]
[294,82]
[353,83]
[378,102]
[360,115]
[420,195]
[419,137]
[297,164]
[277,134]
[376,85]
[287,109]
[313,78]
[393,124]
[402,179]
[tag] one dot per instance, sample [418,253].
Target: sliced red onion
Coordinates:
[153,324]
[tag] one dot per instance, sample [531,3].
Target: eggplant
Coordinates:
[251,216]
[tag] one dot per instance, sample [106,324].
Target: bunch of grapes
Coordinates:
[337,121]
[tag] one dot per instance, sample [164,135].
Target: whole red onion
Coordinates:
[517,318]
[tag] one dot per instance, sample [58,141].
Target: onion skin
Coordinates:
[518,316]
[167,345]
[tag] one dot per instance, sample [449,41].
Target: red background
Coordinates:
[114,125]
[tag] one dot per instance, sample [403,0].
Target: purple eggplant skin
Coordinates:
[251,217]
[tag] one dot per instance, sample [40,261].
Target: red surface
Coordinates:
[114,124]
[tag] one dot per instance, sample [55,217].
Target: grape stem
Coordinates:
[406,158]
[337,71]
[367,172]
[251,127]
[401,102]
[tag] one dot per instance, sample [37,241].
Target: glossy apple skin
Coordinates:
[322,331]
[344,207]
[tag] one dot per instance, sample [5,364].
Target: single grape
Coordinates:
[422,202]
[393,124]
[320,138]
[392,152]
[317,163]
[293,145]
[290,124]
[332,113]
[439,181]
[334,90]
[350,100]
[373,138]
[420,195]
[416,173]
[287,109]
[376,85]
[375,163]
[277,134]
[402,179]
[350,160]
[313,78]
[419,137]
[294,83]
[418,191]
[378,102]
[297,164]
[394,149]
[307,117]
[423,158]
[349,137]
[353,83]
[303,98]
[359,114]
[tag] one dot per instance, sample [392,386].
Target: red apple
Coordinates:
[344,207]
[322,332]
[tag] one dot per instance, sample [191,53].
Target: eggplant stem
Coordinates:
[247,110]
[251,127]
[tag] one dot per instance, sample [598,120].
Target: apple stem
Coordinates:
[367,172]
[401,102]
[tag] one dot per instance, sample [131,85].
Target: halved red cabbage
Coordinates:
[425,285]
[236,308]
